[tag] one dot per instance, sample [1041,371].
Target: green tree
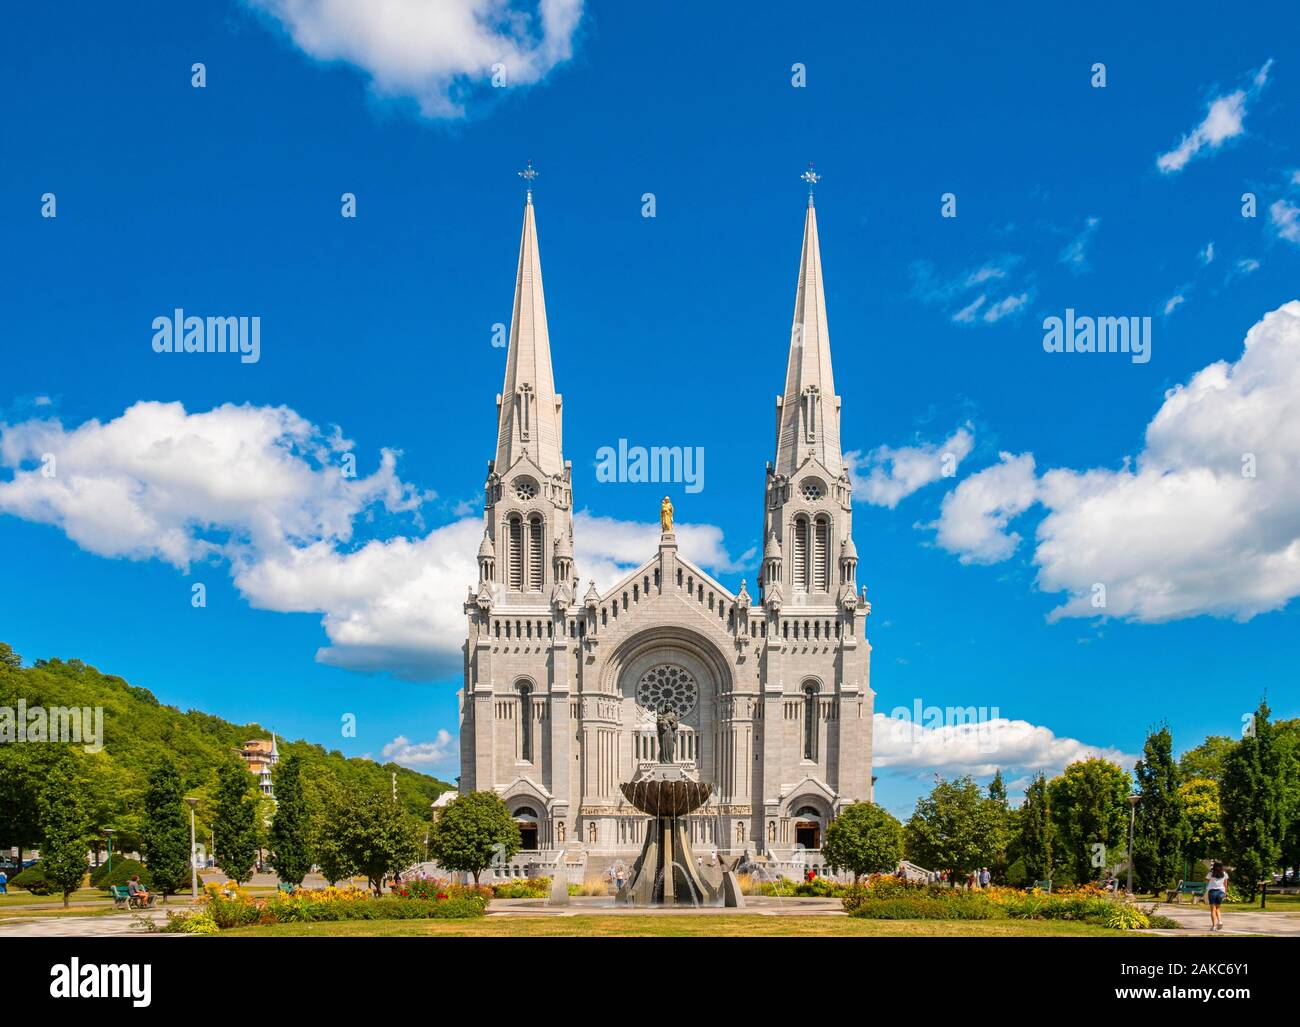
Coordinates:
[165,834]
[376,836]
[955,828]
[864,839]
[1206,759]
[1251,795]
[1288,735]
[1160,826]
[24,770]
[1204,817]
[9,658]
[1006,827]
[63,830]
[237,832]
[1091,814]
[290,836]
[471,831]
[1034,842]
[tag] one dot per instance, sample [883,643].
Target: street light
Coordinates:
[1133,801]
[108,832]
[194,868]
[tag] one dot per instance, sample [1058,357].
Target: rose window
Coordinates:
[811,490]
[526,489]
[670,685]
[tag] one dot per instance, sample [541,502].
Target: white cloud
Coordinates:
[886,475]
[158,482]
[1224,120]
[1005,307]
[1207,521]
[979,749]
[261,488]
[443,751]
[967,313]
[1247,265]
[1286,220]
[438,53]
[1173,303]
[973,517]
[1207,254]
[1075,253]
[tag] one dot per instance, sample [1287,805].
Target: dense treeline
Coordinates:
[139,733]
[1234,800]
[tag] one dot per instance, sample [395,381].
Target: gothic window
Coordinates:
[799,561]
[525,489]
[810,412]
[515,556]
[526,722]
[535,554]
[821,555]
[810,720]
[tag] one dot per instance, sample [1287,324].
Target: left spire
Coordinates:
[529,417]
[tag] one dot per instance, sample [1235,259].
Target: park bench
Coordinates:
[122,898]
[288,889]
[1196,889]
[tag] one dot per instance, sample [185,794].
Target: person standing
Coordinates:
[1216,891]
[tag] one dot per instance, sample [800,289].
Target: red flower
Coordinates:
[442,894]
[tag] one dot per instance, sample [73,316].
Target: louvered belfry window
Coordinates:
[799,563]
[535,555]
[515,561]
[821,551]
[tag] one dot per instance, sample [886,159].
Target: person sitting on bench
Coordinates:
[139,895]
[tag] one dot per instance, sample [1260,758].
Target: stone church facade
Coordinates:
[561,683]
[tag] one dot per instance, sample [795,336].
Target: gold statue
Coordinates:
[666,516]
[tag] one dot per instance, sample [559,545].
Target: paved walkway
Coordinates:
[1196,920]
[582,905]
[111,925]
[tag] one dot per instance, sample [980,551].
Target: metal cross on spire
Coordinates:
[812,178]
[528,174]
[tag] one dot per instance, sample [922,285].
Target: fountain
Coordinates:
[666,872]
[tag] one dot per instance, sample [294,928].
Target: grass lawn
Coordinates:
[669,926]
[23,898]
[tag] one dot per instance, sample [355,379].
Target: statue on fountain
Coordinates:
[666,727]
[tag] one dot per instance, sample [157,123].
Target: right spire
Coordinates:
[808,415]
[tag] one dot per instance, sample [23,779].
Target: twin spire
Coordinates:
[808,412]
[529,418]
[530,414]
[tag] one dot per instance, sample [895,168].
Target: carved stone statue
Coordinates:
[666,727]
[666,516]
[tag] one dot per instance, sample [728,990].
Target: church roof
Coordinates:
[809,367]
[485,547]
[529,418]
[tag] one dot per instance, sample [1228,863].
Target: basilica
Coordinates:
[563,685]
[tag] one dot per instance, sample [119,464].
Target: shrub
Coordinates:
[123,871]
[523,888]
[233,907]
[438,888]
[33,880]
[189,923]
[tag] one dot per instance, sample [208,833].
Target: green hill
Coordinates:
[138,731]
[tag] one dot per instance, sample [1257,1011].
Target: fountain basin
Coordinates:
[666,790]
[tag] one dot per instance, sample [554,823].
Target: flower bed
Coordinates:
[886,898]
[226,907]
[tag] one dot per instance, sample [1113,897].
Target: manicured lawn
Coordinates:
[687,926]
[23,898]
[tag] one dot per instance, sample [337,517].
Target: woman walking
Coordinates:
[1217,888]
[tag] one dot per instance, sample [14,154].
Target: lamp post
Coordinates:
[108,833]
[1133,801]
[194,867]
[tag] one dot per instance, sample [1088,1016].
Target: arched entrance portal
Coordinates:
[526,820]
[808,828]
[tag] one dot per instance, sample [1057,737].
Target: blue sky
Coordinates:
[376,336]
